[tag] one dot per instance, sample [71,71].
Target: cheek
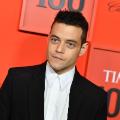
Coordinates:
[48,51]
[51,47]
[72,55]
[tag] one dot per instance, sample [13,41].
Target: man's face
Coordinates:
[63,47]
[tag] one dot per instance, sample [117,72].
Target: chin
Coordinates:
[55,67]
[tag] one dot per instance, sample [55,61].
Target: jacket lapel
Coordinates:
[36,93]
[75,97]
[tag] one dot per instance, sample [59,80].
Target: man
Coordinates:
[55,90]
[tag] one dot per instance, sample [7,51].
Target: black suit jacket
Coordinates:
[22,96]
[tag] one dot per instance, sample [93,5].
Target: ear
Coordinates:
[83,49]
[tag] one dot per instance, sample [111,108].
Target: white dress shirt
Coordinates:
[56,96]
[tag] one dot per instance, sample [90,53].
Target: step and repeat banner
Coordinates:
[37,15]
[104,70]
[104,58]
[102,62]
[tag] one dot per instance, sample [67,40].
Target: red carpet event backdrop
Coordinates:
[25,25]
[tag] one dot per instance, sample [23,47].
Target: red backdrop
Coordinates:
[100,64]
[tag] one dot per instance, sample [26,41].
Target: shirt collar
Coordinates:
[65,79]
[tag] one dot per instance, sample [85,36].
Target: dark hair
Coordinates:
[74,18]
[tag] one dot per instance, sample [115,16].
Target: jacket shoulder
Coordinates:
[25,73]
[26,69]
[90,87]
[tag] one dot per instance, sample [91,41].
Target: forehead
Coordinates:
[66,31]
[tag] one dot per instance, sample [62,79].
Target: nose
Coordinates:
[60,48]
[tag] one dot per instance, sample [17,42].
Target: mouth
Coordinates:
[58,58]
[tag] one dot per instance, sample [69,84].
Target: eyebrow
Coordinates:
[73,41]
[54,36]
[68,40]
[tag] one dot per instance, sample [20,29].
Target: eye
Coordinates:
[54,40]
[71,45]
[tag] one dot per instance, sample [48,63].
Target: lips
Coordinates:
[58,58]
